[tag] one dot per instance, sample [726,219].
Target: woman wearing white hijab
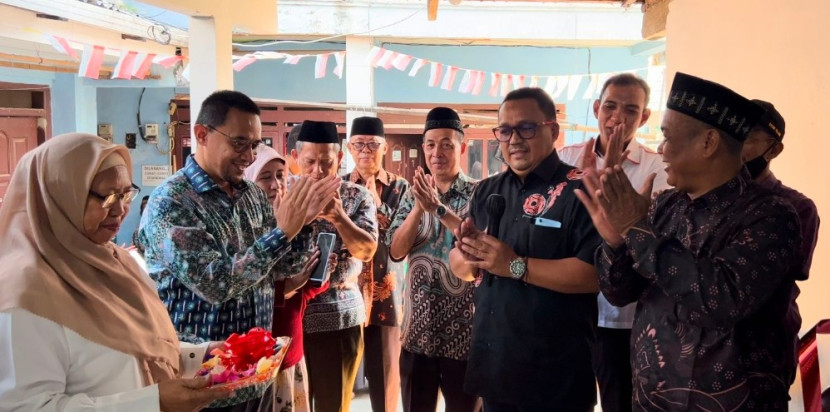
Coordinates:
[81,327]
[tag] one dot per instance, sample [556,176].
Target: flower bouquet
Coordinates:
[247,364]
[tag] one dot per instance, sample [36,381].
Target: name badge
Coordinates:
[540,221]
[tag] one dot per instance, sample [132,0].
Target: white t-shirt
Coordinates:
[47,367]
[641,162]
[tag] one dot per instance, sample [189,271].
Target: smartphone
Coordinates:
[325,242]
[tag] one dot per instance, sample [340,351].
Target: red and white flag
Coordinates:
[374,55]
[449,78]
[592,87]
[401,61]
[417,66]
[573,85]
[126,63]
[385,60]
[92,61]
[289,59]
[550,85]
[338,68]
[506,84]
[62,45]
[480,77]
[466,84]
[518,81]
[167,61]
[561,85]
[434,73]
[320,65]
[143,62]
[244,62]
[495,79]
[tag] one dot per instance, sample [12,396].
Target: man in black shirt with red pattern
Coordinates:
[536,304]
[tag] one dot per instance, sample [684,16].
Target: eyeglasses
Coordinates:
[359,146]
[525,130]
[239,144]
[109,200]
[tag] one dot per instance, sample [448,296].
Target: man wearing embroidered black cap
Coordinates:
[332,326]
[381,278]
[711,263]
[438,308]
[764,143]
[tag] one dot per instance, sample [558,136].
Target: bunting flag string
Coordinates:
[92,60]
[320,66]
[124,68]
[338,68]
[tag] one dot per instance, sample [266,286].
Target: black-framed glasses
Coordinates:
[239,144]
[359,146]
[109,200]
[525,130]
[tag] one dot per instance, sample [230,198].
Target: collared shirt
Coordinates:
[341,306]
[211,254]
[381,278]
[438,307]
[531,345]
[640,163]
[712,277]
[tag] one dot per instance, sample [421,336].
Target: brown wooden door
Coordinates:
[18,135]
[405,154]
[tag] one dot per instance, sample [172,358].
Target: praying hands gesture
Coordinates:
[423,188]
[613,203]
[304,201]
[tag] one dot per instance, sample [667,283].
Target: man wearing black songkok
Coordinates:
[711,263]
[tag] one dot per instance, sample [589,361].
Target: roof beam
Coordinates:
[21,25]
[87,14]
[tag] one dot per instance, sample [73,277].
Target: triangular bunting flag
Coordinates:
[592,87]
[401,61]
[573,85]
[374,55]
[495,79]
[534,81]
[561,85]
[449,77]
[244,62]
[62,45]
[480,77]
[466,83]
[143,63]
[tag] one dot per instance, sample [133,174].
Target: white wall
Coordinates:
[773,50]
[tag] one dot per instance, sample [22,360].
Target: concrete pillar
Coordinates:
[360,85]
[210,62]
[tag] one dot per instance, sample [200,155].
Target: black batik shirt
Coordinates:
[530,344]
[712,277]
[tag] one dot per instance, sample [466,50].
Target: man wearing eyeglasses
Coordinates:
[536,304]
[620,110]
[438,307]
[381,278]
[211,240]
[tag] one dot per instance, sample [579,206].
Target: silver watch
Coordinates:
[518,268]
[441,211]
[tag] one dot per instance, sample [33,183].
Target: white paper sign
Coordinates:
[153,175]
[413,153]
[396,155]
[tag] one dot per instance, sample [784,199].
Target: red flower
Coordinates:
[243,351]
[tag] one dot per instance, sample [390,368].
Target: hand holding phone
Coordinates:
[325,242]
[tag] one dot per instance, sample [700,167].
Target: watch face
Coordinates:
[517,268]
[441,211]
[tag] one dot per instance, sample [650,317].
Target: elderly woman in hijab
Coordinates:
[81,327]
[269,172]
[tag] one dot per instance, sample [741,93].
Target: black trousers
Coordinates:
[381,360]
[332,359]
[422,376]
[612,365]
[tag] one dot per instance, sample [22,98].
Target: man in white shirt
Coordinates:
[621,108]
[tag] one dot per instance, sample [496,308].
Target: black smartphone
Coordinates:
[325,242]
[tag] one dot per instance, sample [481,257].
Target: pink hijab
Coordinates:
[51,269]
[264,155]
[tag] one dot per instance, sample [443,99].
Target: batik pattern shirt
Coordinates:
[341,306]
[211,254]
[712,277]
[438,307]
[381,278]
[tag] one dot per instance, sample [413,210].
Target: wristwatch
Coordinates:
[518,268]
[441,211]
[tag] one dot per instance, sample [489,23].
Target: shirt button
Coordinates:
[192,355]
[515,219]
[492,312]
